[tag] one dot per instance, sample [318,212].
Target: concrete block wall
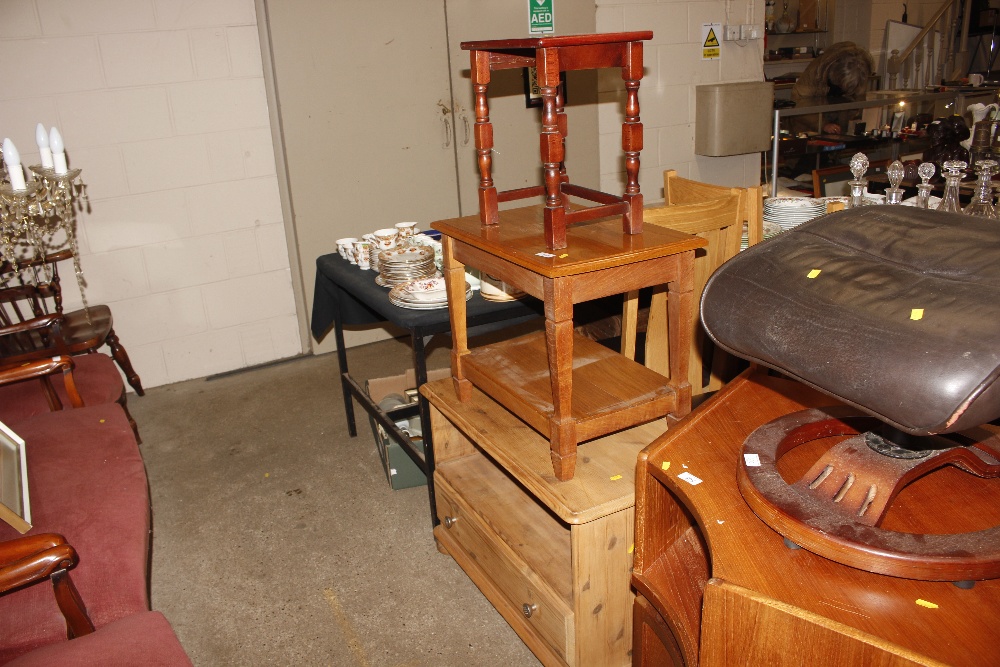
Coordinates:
[162,104]
[673,68]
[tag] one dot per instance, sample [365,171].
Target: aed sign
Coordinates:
[541,18]
[710,34]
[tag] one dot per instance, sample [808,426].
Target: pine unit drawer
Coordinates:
[495,559]
[564,549]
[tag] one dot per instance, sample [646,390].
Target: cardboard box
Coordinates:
[400,470]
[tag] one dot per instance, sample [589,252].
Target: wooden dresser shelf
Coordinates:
[516,373]
[554,557]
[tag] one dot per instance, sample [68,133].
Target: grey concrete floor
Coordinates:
[278,541]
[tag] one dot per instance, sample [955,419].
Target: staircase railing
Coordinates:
[920,64]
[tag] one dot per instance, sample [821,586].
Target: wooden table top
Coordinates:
[932,618]
[551,41]
[591,246]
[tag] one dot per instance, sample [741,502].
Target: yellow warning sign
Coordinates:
[710,48]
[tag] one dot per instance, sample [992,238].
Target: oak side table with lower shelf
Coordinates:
[553,557]
[717,586]
[568,388]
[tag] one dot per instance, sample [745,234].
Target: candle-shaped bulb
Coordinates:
[12,160]
[58,151]
[42,139]
[10,154]
[895,173]
[41,136]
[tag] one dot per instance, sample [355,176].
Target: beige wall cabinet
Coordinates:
[375,115]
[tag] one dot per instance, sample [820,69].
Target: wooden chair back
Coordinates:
[717,214]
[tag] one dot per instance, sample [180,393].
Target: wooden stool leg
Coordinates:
[632,139]
[488,209]
[552,148]
[563,122]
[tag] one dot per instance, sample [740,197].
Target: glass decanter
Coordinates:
[982,203]
[925,171]
[953,171]
[894,194]
[859,186]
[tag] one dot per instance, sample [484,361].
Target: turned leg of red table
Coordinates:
[632,138]
[483,133]
[552,147]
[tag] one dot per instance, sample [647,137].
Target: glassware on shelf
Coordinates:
[982,202]
[859,186]
[953,171]
[925,171]
[894,194]
[786,23]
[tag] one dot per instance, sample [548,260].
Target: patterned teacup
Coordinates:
[406,231]
[386,239]
[362,250]
[345,247]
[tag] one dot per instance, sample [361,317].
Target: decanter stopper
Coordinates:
[859,165]
[926,171]
[894,194]
[895,173]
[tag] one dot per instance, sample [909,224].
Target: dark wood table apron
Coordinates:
[347,296]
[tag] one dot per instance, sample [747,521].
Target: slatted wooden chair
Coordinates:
[33,291]
[718,214]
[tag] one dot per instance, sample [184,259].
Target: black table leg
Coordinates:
[345,385]
[418,345]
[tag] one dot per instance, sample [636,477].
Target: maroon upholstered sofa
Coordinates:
[87,483]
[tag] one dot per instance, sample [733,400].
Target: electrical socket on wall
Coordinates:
[751,31]
[730,33]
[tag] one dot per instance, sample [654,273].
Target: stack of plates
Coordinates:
[770,229]
[403,265]
[790,212]
[425,294]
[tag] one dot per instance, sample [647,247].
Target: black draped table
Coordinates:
[344,295]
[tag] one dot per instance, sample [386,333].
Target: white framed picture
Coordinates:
[15,507]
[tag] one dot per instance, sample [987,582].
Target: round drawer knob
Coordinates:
[450,521]
[529,608]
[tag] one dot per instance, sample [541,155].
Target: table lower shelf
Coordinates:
[610,391]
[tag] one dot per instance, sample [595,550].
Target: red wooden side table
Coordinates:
[551,56]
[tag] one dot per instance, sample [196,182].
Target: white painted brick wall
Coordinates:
[673,68]
[162,104]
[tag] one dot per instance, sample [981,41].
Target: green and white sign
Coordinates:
[541,18]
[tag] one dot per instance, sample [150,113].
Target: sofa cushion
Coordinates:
[87,482]
[97,380]
[145,638]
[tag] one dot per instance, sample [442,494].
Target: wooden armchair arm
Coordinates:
[52,321]
[34,558]
[43,369]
